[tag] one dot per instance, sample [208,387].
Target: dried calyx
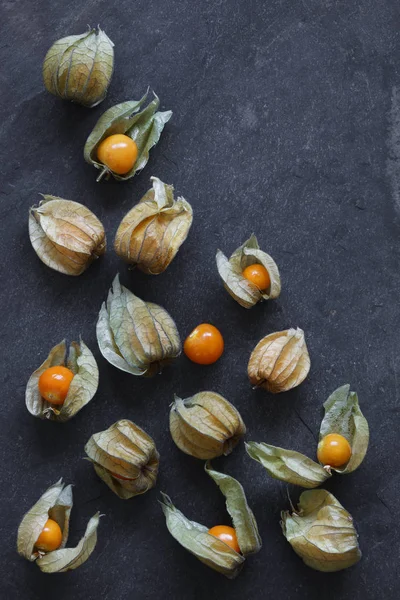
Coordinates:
[79,67]
[280,361]
[83,387]
[125,458]
[208,549]
[144,126]
[136,336]
[65,235]
[205,425]
[150,235]
[56,504]
[343,417]
[322,532]
[243,290]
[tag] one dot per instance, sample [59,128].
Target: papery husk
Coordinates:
[321,532]
[343,416]
[65,235]
[56,503]
[150,235]
[136,336]
[79,67]
[246,293]
[280,361]
[205,425]
[81,390]
[143,126]
[126,450]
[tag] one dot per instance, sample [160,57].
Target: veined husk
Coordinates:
[280,361]
[143,126]
[152,232]
[56,503]
[241,289]
[207,548]
[83,386]
[126,450]
[205,425]
[79,67]
[321,532]
[65,235]
[136,336]
[342,416]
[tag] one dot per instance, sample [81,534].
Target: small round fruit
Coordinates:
[54,384]
[258,275]
[204,345]
[334,450]
[51,537]
[118,152]
[226,534]
[121,477]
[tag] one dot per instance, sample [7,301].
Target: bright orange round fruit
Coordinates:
[204,345]
[118,152]
[51,537]
[258,275]
[54,384]
[226,534]
[334,450]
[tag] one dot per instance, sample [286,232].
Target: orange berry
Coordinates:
[227,535]
[121,477]
[54,384]
[334,450]
[51,537]
[118,152]
[258,275]
[204,345]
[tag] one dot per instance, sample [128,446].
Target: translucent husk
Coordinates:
[205,425]
[83,386]
[56,503]
[280,361]
[79,67]
[246,293]
[150,235]
[136,336]
[207,548]
[125,458]
[321,532]
[65,235]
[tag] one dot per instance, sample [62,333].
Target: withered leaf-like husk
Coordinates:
[79,67]
[125,458]
[136,336]
[246,293]
[143,126]
[82,389]
[288,465]
[150,235]
[321,532]
[65,235]
[205,425]
[280,361]
[343,416]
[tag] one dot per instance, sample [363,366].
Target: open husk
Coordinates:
[280,361]
[150,235]
[56,503]
[125,458]
[136,336]
[195,538]
[322,532]
[83,386]
[65,235]
[246,293]
[205,425]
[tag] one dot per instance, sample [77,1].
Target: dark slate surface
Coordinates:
[286,123]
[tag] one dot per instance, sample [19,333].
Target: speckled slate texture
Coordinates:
[286,123]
